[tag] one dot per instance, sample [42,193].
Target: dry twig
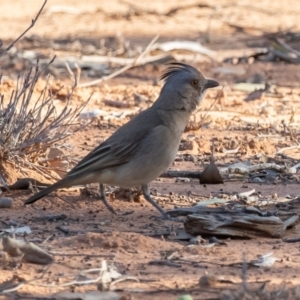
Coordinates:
[33,21]
[135,63]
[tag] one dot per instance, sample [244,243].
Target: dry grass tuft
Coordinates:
[29,127]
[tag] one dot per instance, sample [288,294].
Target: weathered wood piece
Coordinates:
[245,222]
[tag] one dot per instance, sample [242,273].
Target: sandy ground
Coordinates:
[131,242]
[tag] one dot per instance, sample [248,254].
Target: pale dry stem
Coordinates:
[28,131]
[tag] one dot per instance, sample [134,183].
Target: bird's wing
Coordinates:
[106,155]
[121,146]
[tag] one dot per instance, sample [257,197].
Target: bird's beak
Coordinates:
[210,84]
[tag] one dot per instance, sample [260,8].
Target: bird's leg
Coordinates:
[165,216]
[103,198]
[146,193]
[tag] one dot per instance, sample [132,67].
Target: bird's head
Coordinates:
[184,88]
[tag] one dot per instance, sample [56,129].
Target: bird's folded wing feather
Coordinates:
[121,146]
[105,156]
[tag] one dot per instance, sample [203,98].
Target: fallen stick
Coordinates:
[285,56]
[33,21]
[138,61]
[164,263]
[295,240]
[117,104]
[287,148]
[287,47]
[101,62]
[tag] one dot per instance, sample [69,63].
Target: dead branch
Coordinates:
[287,148]
[295,240]
[285,56]
[33,21]
[242,226]
[174,10]
[141,11]
[93,61]
[164,263]
[245,222]
[135,63]
[107,256]
[115,103]
[287,47]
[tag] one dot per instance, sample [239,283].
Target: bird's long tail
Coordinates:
[65,182]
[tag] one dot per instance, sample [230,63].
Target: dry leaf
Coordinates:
[211,174]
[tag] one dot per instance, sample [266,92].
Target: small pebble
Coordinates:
[208,281]
[103,286]
[213,240]
[256,180]
[182,179]
[196,240]
[6,202]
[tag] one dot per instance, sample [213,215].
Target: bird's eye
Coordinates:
[195,82]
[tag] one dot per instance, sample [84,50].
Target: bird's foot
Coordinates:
[111,209]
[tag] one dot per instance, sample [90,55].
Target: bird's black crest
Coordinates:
[174,68]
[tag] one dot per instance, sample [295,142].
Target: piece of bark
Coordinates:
[24,184]
[116,103]
[185,211]
[238,224]
[27,251]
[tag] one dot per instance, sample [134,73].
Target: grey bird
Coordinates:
[142,149]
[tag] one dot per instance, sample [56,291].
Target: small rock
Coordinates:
[90,114]
[213,239]
[6,202]
[196,240]
[256,180]
[208,281]
[182,179]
